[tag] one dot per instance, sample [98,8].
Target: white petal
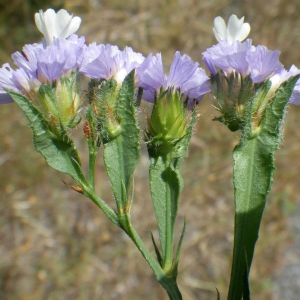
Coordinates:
[244,32]
[66,24]
[60,25]
[219,29]
[234,27]
[45,24]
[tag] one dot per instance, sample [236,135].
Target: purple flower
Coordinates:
[283,76]
[258,62]
[228,57]
[184,76]
[39,64]
[6,82]
[107,61]
[263,63]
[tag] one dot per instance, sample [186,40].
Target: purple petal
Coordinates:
[184,76]
[263,63]
[182,70]
[228,57]
[5,98]
[106,61]
[6,82]
[150,74]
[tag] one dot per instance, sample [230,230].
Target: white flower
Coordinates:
[236,29]
[59,25]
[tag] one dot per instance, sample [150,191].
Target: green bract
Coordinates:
[60,102]
[168,123]
[232,95]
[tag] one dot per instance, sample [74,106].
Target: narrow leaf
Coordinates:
[176,262]
[157,252]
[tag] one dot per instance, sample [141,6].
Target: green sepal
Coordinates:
[232,96]
[253,177]
[91,132]
[60,102]
[56,147]
[47,99]
[121,152]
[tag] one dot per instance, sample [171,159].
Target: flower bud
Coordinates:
[60,101]
[168,122]
[231,96]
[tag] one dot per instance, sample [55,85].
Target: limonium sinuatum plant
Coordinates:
[249,87]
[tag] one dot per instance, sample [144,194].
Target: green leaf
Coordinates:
[157,252]
[56,147]
[178,251]
[121,153]
[253,177]
[165,186]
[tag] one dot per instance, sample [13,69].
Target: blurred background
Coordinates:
[55,244]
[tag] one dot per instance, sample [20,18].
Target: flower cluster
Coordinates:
[47,71]
[231,55]
[238,69]
[61,53]
[106,61]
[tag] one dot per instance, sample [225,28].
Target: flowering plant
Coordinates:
[249,86]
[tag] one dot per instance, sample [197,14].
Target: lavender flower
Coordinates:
[236,29]
[263,63]
[184,76]
[45,62]
[229,57]
[47,77]
[45,65]
[243,58]
[238,69]
[6,82]
[56,25]
[107,61]
[283,76]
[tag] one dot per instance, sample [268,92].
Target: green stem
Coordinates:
[93,151]
[90,193]
[167,282]
[168,255]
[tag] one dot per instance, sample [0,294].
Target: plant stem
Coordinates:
[93,151]
[167,282]
[90,193]
[168,257]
